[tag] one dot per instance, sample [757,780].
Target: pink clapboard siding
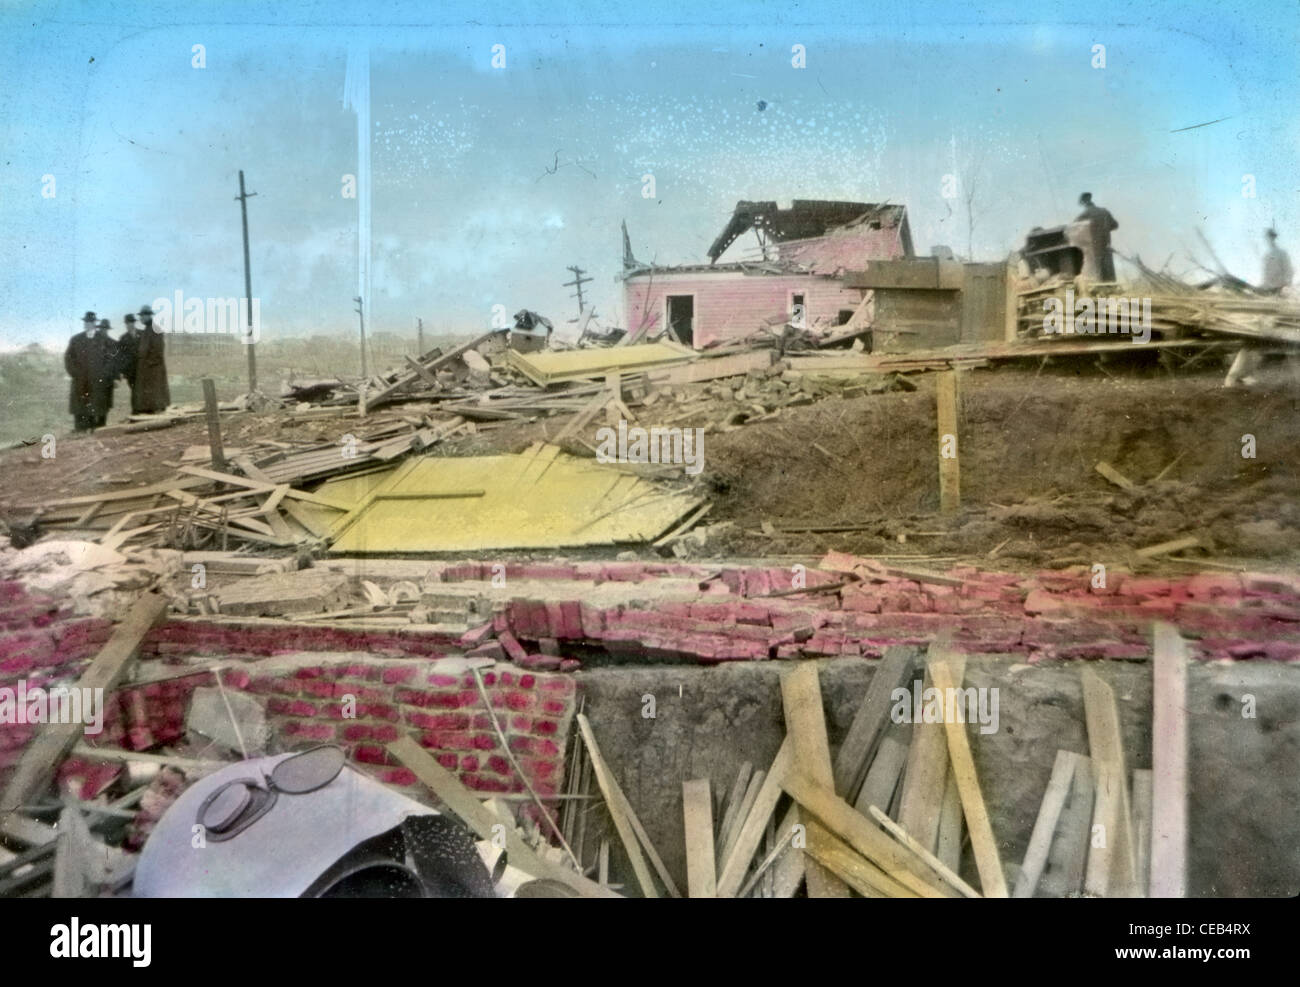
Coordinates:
[733,304]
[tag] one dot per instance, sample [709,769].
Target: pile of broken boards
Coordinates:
[886,819]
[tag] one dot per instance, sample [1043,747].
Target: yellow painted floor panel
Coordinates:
[542,498]
[551,367]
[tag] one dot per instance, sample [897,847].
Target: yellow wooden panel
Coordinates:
[539,499]
[552,366]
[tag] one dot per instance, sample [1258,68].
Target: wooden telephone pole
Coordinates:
[243,198]
[419,337]
[577,282]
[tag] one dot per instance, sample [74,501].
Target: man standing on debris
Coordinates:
[127,353]
[78,361]
[1274,277]
[104,373]
[151,393]
[1098,263]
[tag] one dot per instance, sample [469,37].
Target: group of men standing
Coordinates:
[95,360]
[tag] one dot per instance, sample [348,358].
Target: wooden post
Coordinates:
[1168,853]
[214,425]
[248,287]
[949,471]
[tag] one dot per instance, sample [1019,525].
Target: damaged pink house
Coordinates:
[791,275]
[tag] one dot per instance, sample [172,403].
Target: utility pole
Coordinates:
[248,286]
[577,282]
[361,315]
[419,337]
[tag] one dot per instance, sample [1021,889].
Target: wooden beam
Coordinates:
[743,808]
[36,768]
[949,470]
[882,779]
[1142,814]
[926,775]
[987,860]
[461,801]
[697,812]
[1069,852]
[1049,813]
[1169,765]
[857,871]
[214,424]
[805,724]
[1115,476]
[852,827]
[625,819]
[729,813]
[869,722]
[732,874]
[1112,866]
[937,865]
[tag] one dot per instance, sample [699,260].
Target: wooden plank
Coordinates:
[862,835]
[697,811]
[1111,868]
[925,777]
[805,724]
[857,871]
[1067,859]
[882,779]
[870,720]
[732,874]
[1169,765]
[228,478]
[481,820]
[1143,810]
[948,842]
[1166,547]
[620,810]
[949,469]
[1115,476]
[1049,813]
[937,865]
[742,812]
[214,426]
[731,819]
[36,768]
[983,844]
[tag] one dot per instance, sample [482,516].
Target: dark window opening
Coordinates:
[681,318]
[844,316]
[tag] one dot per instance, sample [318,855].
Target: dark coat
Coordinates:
[127,354]
[89,361]
[150,393]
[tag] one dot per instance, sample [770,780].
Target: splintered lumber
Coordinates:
[1115,476]
[405,379]
[36,768]
[806,726]
[746,804]
[697,812]
[461,801]
[939,867]
[731,812]
[732,873]
[849,825]
[987,861]
[870,720]
[949,468]
[1169,765]
[1112,865]
[857,871]
[625,819]
[1049,813]
[1069,852]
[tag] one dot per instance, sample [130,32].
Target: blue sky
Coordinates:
[488,182]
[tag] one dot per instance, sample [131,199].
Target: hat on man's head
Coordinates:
[1085,197]
[146,310]
[88,317]
[104,324]
[128,317]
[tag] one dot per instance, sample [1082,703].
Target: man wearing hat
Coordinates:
[150,393]
[1098,264]
[78,361]
[103,350]
[128,346]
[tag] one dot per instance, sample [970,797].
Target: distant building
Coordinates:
[802,252]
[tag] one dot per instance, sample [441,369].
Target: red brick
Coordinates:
[498,764]
[469,763]
[484,741]
[448,761]
[311,731]
[357,731]
[398,776]
[369,754]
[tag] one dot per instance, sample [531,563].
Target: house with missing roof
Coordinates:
[790,275]
[815,265]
